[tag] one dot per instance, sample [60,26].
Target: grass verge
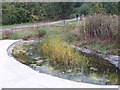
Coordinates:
[9,26]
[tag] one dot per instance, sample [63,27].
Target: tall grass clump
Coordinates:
[61,54]
[100,26]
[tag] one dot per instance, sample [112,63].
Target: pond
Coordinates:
[95,71]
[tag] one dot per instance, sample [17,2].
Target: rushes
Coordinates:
[55,49]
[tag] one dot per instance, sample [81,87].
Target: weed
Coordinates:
[41,33]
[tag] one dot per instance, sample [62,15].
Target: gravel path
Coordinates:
[34,25]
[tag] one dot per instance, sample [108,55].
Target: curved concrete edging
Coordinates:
[12,46]
[16,75]
[113,59]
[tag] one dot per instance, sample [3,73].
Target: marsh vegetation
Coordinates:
[97,30]
[66,64]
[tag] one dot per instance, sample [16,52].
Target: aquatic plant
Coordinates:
[61,54]
[95,70]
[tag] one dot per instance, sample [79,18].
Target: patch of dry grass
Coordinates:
[24,34]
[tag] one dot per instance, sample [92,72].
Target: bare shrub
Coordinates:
[100,26]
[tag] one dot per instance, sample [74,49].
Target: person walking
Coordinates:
[77,17]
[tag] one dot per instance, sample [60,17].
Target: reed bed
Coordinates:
[61,54]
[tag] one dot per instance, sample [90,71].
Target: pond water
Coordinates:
[96,71]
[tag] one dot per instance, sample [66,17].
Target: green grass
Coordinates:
[22,24]
[70,22]
[9,26]
[74,21]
